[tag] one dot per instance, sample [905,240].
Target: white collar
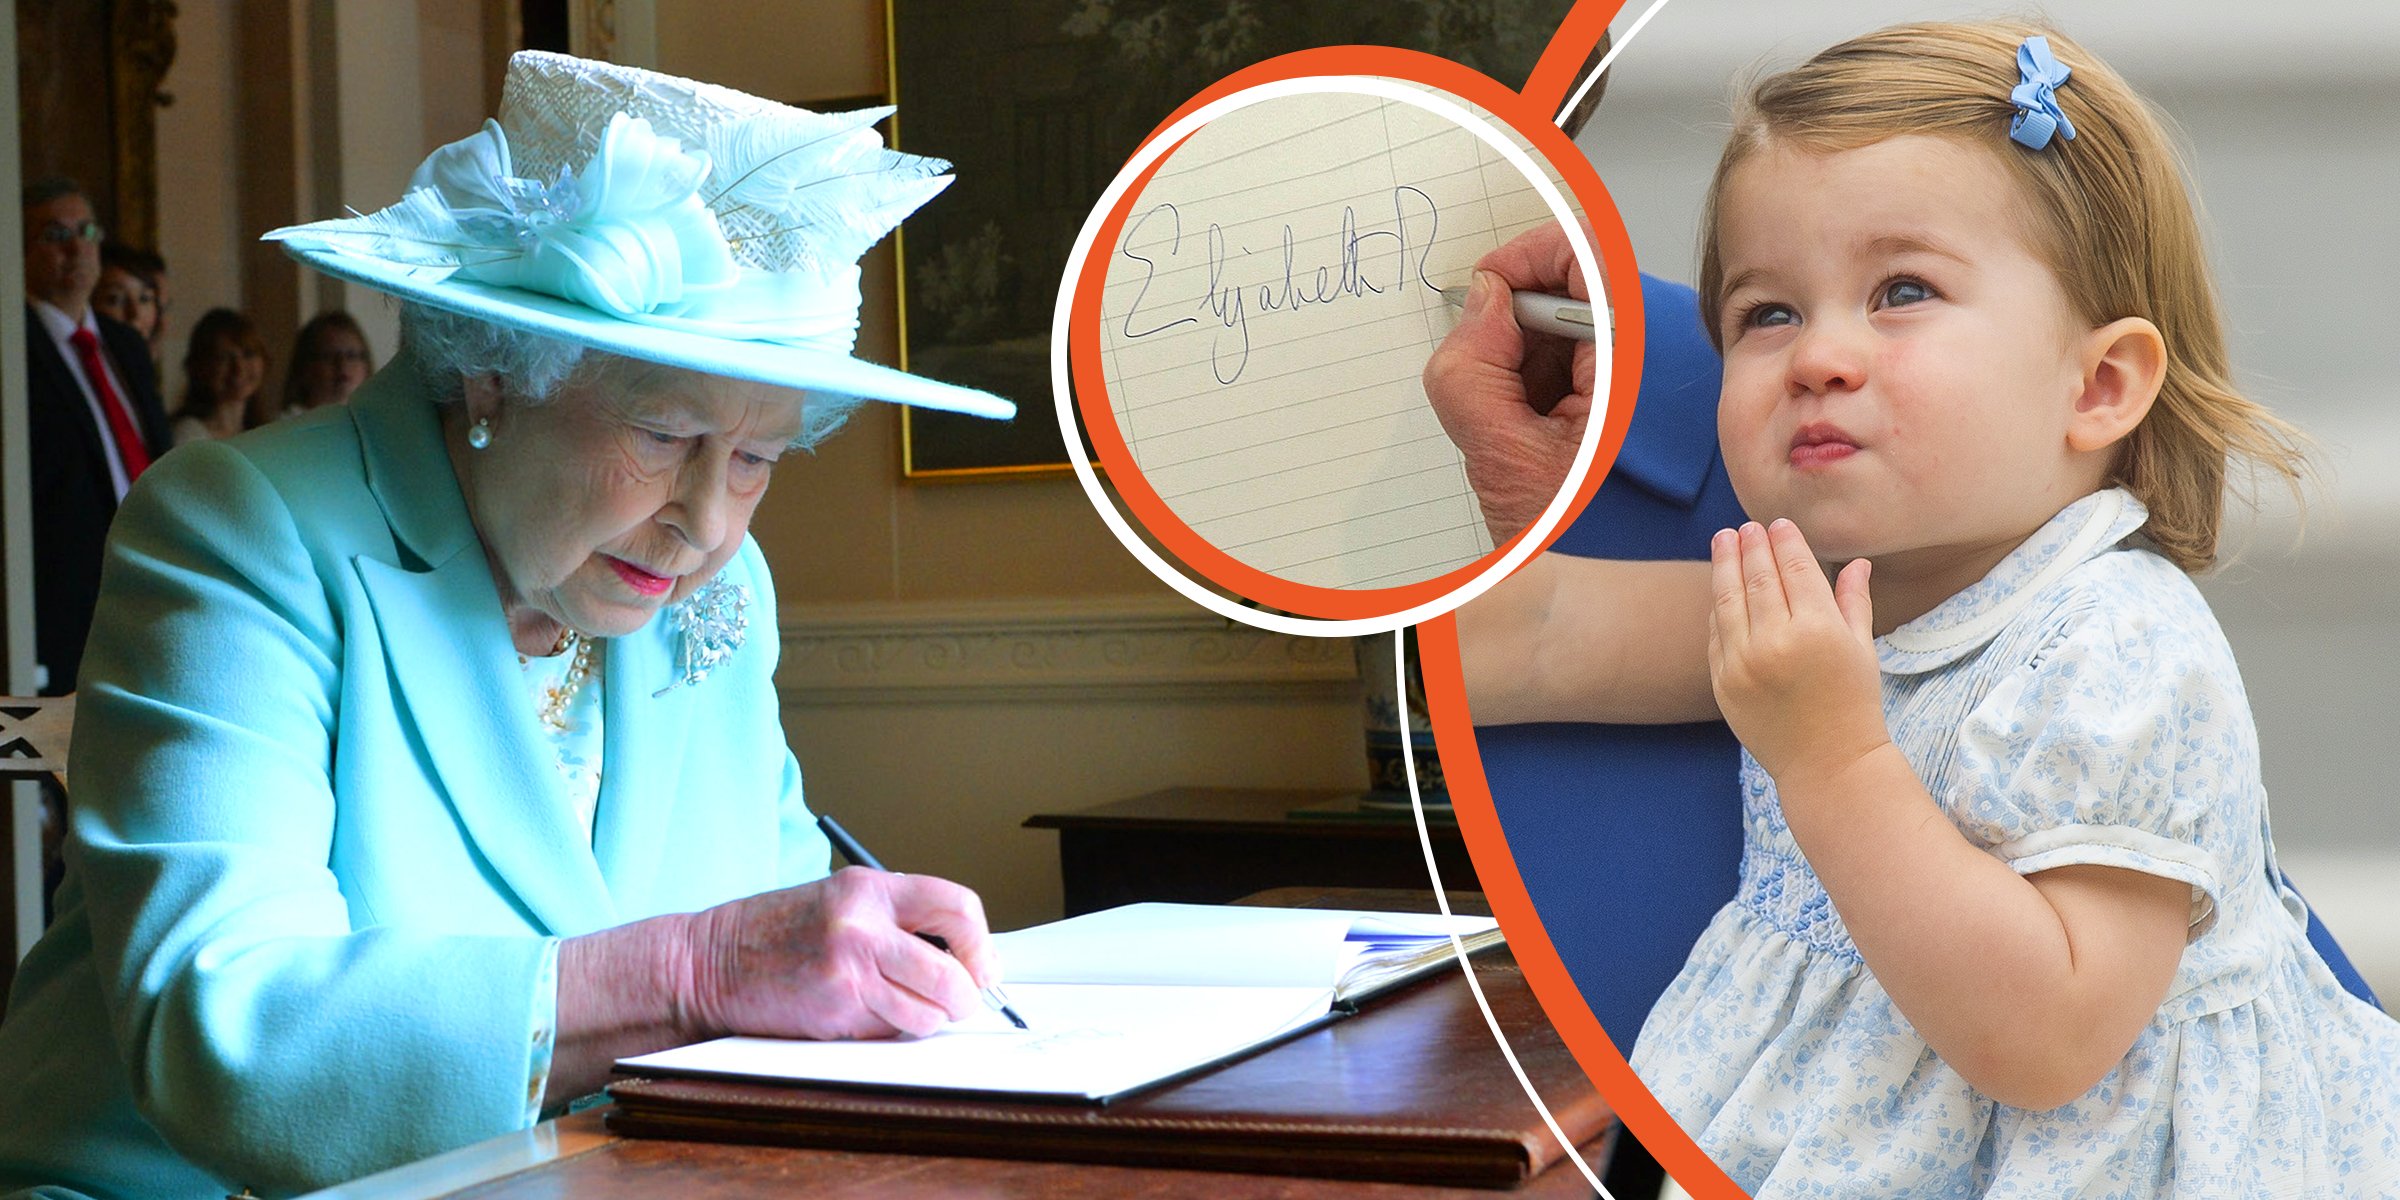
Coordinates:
[56,320]
[2079,533]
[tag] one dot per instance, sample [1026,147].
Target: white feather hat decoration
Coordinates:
[655,217]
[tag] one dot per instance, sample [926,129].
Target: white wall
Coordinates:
[381,119]
[2288,111]
[355,85]
[199,207]
[933,730]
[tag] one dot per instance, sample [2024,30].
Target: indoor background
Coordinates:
[959,656]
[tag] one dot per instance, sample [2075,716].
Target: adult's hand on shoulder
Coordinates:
[1515,402]
[839,958]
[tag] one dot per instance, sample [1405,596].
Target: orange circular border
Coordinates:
[1610,243]
[1561,1001]
[1546,90]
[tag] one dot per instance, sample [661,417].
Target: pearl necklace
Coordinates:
[557,696]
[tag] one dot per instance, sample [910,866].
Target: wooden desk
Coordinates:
[577,1156]
[1215,845]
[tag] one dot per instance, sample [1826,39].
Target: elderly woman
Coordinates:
[330,359]
[428,757]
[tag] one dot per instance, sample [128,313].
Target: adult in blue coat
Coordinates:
[428,755]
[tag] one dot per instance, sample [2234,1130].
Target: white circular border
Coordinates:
[1367,85]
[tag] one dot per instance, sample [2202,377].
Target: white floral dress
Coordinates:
[2077,705]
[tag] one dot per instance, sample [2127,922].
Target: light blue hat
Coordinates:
[658,218]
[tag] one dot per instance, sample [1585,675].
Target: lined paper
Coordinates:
[1268,312]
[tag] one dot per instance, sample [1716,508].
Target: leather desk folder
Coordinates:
[1410,1089]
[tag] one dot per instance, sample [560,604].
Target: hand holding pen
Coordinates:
[993,997]
[1511,390]
[831,959]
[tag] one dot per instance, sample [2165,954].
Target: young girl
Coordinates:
[2008,921]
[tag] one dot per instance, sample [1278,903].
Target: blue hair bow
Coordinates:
[2036,96]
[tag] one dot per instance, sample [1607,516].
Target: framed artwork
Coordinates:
[88,93]
[1038,102]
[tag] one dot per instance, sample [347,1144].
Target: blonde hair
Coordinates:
[2108,211]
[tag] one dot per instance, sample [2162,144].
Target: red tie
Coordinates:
[130,449]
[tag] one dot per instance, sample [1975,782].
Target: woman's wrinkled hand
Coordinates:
[1791,656]
[1515,402]
[840,958]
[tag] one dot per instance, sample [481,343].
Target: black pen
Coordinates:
[993,998]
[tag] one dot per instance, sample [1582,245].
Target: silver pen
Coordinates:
[1562,316]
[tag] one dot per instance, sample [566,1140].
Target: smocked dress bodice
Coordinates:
[2078,705]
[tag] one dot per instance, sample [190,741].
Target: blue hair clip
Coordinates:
[2036,96]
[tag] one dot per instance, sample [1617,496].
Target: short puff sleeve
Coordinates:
[2125,742]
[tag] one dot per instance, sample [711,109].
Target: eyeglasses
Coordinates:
[59,233]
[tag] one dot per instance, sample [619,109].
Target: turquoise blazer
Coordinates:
[320,855]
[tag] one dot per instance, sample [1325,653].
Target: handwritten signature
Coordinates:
[1367,262]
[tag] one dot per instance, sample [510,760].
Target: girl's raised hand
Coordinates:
[1792,658]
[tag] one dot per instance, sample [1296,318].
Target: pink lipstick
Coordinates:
[640,580]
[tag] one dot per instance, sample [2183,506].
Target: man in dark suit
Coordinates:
[94,420]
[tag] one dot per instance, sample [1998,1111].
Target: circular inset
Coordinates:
[1281,261]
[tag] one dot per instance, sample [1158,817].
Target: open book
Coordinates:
[1122,1000]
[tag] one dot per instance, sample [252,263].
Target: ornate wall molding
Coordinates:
[1017,650]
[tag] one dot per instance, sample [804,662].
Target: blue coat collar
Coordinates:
[455,676]
[408,471]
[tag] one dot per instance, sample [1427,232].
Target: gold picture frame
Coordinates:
[1038,119]
[105,137]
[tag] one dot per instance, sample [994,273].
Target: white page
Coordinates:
[1116,999]
[1086,1042]
[1268,313]
[1233,945]
[1191,944]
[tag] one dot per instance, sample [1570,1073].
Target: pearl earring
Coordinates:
[479,434]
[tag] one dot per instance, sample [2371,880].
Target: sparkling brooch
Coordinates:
[709,625]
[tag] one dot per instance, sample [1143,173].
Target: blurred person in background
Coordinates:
[93,416]
[133,291]
[330,358]
[224,373]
